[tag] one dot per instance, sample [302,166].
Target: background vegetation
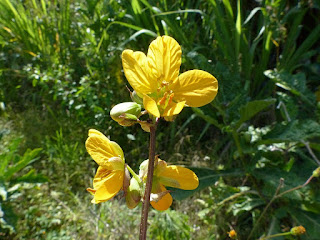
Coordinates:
[60,74]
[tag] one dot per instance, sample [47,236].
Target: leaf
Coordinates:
[271,179]
[5,158]
[28,157]
[252,108]
[294,131]
[295,83]
[32,177]
[207,177]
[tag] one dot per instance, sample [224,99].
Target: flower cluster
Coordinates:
[111,175]
[161,92]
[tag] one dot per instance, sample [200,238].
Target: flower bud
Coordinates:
[126,114]
[232,234]
[133,196]
[135,97]
[298,230]
[316,173]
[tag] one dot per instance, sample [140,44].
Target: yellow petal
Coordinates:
[116,149]
[101,149]
[151,106]
[101,175]
[136,69]
[173,109]
[165,202]
[179,177]
[196,87]
[95,132]
[164,58]
[110,186]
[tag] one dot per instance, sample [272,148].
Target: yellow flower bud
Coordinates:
[298,230]
[232,234]
[316,173]
[126,114]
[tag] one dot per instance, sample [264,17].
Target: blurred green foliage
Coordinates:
[61,73]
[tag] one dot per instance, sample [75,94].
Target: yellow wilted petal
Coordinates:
[136,69]
[110,187]
[99,148]
[196,87]
[173,109]
[179,177]
[164,58]
[151,106]
[92,191]
[165,202]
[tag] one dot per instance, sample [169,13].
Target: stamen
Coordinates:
[163,99]
[170,98]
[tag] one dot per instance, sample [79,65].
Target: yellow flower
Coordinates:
[171,176]
[232,234]
[156,79]
[109,178]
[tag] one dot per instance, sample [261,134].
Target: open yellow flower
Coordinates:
[109,178]
[170,176]
[156,79]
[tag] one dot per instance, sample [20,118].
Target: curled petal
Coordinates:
[179,177]
[151,106]
[165,202]
[109,186]
[136,69]
[196,87]
[116,149]
[164,58]
[101,148]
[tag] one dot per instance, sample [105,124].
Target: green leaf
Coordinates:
[252,108]
[294,131]
[32,177]
[271,179]
[28,157]
[296,84]
[207,177]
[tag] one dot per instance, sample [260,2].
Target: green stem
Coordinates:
[238,145]
[136,177]
[146,202]
[275,235]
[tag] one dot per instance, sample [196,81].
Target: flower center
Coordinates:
[163,96]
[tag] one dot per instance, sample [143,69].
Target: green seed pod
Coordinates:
[133,196]
[126,114]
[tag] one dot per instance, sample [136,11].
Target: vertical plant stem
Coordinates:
[146,202]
